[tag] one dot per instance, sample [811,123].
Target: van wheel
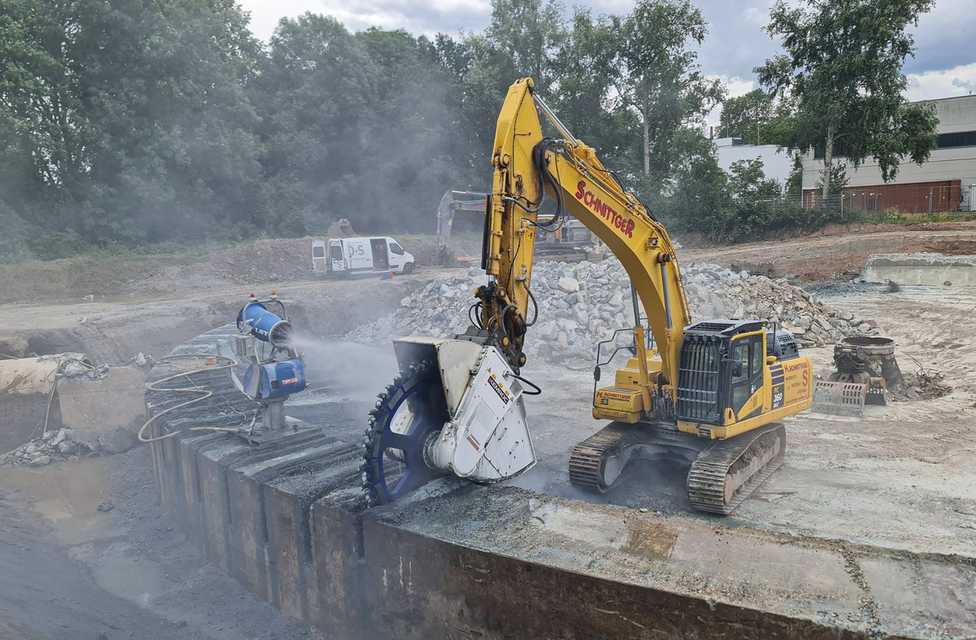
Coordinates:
[408,268]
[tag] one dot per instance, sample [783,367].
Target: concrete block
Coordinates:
[337,555]
[466,564]
[288,500]
[248,540]
[191,507]
[217,514]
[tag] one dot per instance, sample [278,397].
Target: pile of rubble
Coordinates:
[583,303]
[68,444]
[924,384]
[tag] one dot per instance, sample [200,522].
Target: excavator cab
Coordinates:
[736,375]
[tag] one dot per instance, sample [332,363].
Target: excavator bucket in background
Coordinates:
[839,398]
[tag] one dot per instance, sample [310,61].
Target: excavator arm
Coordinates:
[528,168]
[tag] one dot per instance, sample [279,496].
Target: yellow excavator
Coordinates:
[712,391]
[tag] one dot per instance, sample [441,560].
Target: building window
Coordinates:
[959,139]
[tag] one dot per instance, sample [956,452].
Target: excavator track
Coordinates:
[586,463]
[728,471]
[597,463]
[721,475]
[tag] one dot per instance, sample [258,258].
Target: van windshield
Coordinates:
[335,252]
[318,251]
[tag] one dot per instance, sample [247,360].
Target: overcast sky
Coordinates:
[945,63]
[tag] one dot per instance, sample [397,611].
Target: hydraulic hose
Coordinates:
[201,395]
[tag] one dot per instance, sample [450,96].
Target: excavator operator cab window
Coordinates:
[746,378]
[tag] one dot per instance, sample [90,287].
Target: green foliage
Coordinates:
[129,123]
[842,67]
[661,80]
[128,120]
[757,119]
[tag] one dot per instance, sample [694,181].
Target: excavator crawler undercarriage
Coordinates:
[722,473]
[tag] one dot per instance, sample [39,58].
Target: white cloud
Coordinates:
[427,17]
[957,81]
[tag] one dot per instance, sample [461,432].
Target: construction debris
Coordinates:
[68,444]
[583,303]
[922,384]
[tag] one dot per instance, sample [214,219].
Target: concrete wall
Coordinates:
[459,561]
[777,162]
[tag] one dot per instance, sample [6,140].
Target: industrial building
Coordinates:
[777,161]
[945,182]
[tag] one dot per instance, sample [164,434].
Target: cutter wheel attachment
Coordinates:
[408,415]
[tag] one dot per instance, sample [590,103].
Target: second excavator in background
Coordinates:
[712,391]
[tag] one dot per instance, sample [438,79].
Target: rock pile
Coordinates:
[68,444]
[583,303]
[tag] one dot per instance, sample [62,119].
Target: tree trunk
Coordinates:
[828,163]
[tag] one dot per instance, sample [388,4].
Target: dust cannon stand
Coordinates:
[269,369]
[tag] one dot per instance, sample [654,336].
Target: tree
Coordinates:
[587,70]
[843,67]
[128,121]
[661,80]
[758,119]
[528,33]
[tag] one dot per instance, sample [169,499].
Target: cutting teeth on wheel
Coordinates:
[393,462]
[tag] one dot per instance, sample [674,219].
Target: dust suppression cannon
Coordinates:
[269,369]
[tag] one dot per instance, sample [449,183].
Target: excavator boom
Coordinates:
[528,167]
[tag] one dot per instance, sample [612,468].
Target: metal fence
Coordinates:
[894,198]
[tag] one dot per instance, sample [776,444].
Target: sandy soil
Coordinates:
[831,255]
[261,264]
[115,331]
[902,477]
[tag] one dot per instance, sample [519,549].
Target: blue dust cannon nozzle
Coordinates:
[263,324]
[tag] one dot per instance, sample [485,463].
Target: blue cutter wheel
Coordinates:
[407,415]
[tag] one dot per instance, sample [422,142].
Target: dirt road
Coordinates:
[834,255]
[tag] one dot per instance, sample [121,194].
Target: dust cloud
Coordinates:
[339,368]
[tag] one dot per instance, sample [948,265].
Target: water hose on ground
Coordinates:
[201,394]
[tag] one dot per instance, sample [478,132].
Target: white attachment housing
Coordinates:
[486,438]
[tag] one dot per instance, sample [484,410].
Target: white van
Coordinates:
[377,254]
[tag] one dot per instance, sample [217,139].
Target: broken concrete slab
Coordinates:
[932,269]
[104,405]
